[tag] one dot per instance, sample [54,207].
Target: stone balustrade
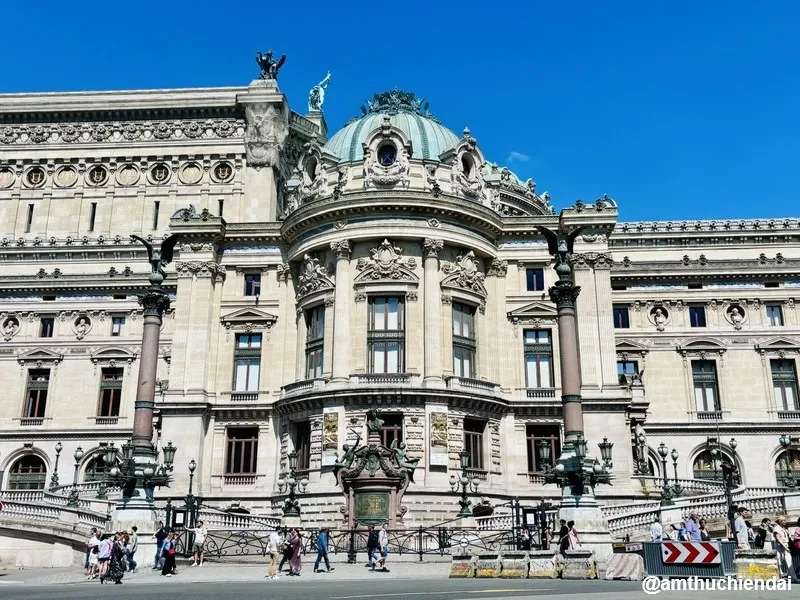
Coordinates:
[372,379]
[495,523]
[694,485]
[472,385]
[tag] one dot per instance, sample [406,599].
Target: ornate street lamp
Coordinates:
[677,490]
[788,477]
[191,502]
[666,491]
[288,481]
[605,452]
[127,473]
[543,452]
[74,498]
[54,476]
[580,446]
[466,483]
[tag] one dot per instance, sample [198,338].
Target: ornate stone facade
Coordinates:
[390,266]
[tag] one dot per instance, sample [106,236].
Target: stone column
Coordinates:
[587,321]
[300,362]
[341,324]
[605,321]
[565,294]
[495,286]
[433,311]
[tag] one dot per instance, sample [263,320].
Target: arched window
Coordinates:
[787,465]
[28,473]
[96,470]
[466,165]
[709,466]
[387,154]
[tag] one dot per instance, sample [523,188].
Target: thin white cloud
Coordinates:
[518,157]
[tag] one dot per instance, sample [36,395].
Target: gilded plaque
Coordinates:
[371,508]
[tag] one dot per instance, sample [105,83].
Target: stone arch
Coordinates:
[27,472]
[94,467]
[787,458]
[702,462]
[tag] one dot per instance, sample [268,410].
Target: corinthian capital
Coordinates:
[432,247]
[498,268]
[341,249]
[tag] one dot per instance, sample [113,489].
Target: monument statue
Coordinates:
[317,94]
[269,66]
[561,247]
[374,423]
[158,258]
[402,459]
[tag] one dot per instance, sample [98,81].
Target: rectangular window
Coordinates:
[621,317]
[252,284]
[697,316]
[117,324]
[156,205]
[538,358]
[704,376]
[784,382]
[110,393]
[386,335]
[302,444]
[392,428]
[47,325]
[775,315]
[463,340]
[92,215]
[315,339]
[473,442]
[241,451]
[36,394]
[550,434]
[247,362]
[29,219]
[220,206]
[626,369]
[534,279]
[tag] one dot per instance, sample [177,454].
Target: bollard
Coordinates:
[514,565]
[542,564]
[625,566]
[463,566]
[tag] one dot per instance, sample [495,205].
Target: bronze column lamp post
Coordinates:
[54,476]
[789,480]
[466,483]
[73,500]
[289,481]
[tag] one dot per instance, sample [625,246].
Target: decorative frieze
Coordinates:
[386,262]
[313,277]
[465,273]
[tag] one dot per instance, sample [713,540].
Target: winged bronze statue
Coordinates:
[269,66]
[158,258]
[560,245]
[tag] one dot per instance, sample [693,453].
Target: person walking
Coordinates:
[764,535]
[104,555]
[574,540]
[563,537]
[372,546]
[740,527]
[116,565]
[656,531]
[323,541]
[295,562]
[782,545]
[794,550]
[525,539]
[92,546]
[286,548]
[200,535]
[159,536]
[383,547]
[273,549]
[133,545]
[168,551]
[705,536]
[692,528]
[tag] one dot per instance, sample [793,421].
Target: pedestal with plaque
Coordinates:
[373,479]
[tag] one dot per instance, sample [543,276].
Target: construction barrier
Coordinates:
[487,566]
[463,566]
[514,565]
[756,564]
[689,559]
[542,564]
[625,566]
[579,564]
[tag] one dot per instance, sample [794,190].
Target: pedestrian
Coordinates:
[574,540]
[764,535]
[159,536]
[563,537]
[548,537]
[683,536]
[116,565]
[656,531]
[92,546]
[740,527]
[674,532]
[133,545]
[323,547]
[751,534]
[372,545]
[704,535]
[693,528]
[168,552]
[782,545]
[286,548]
[383,547]
[525,539]
[200,535]
[296,545]
[273,548]
[104,555]
[794,550]
[89,549]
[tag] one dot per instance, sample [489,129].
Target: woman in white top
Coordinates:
[782,539]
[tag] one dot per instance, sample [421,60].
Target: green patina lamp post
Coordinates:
[666,490]
[54,476]
[74,497]
[289,482]
[465,483]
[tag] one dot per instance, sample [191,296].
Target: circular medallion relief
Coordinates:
[82,326]
[659,316]
[35,177]
[222,172]
[66,176]
[6,177]
[128,175]
[97,175]
[160,173]
[191,173]
[10,328]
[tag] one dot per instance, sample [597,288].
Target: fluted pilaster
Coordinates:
[341,323]
[433,312]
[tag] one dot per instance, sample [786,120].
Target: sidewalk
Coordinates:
[228,572]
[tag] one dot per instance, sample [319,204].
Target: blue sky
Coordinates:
[678,110]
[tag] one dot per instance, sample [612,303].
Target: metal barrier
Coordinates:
[654,563]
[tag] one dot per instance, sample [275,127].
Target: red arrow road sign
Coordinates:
[691,553]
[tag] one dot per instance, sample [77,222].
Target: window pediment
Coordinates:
[627,348]
[248,319]
[780,347]
[113,355]
[465,273]
[534,310]
[701,348]
[40,356]
[386,263]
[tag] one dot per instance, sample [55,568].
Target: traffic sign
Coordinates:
[691,553]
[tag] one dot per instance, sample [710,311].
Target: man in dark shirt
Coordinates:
[372,546]
[160,535]
[563,536]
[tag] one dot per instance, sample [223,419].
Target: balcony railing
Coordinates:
[405,379]
[305,385]
[542,392]
[473,385]
[244,396]
[709,415]
[478,474]
[31,421]
[239,479]
[106,420]
[535,478]
[788,414]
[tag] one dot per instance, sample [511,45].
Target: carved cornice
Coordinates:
[200,269]
[704,268]
[593,260]
[432,247]
[341,249]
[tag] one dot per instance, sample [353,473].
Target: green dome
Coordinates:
[409,114]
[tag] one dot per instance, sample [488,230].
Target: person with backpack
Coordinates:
[372,546]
